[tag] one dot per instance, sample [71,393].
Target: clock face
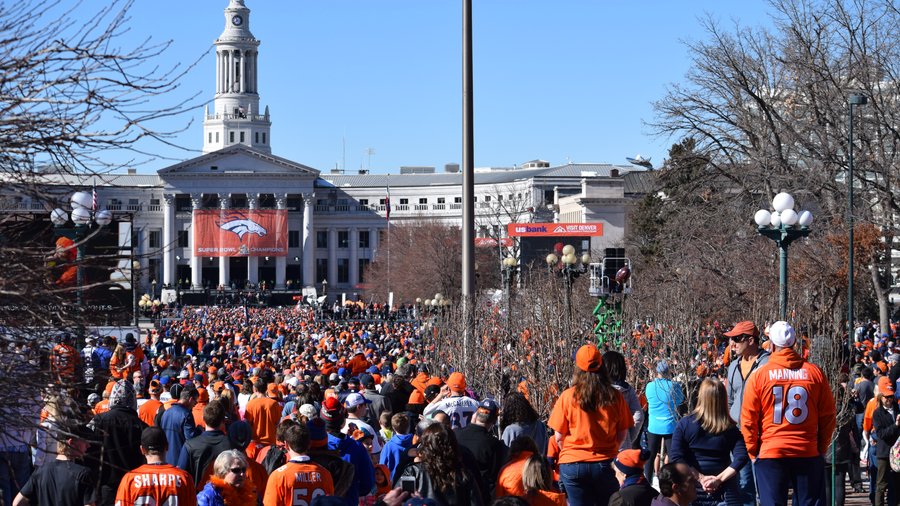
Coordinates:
[237,20]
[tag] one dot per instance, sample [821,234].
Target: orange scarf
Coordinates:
[233,496]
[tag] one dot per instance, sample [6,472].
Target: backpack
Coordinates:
[894,457]
[275,458]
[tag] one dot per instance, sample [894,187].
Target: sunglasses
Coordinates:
[740,339]
[238,470]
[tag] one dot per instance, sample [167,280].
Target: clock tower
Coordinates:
[236,117]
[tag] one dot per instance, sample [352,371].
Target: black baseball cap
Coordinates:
[154,439]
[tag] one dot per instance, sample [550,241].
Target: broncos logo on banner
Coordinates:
[240,225]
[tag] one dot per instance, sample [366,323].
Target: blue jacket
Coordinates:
[708,453]
[394,455]
[178,424]
[209,496]
[353,452]
[100,358]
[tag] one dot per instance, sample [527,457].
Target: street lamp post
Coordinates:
[569,266]
[83,217]
[509,269]
[784,226]
[854,99]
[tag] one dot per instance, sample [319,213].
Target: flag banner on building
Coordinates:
[554,229]
[240,233]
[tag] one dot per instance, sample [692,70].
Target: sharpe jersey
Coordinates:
[788,409]
[156,485]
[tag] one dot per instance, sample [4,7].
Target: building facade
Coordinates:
[335,221]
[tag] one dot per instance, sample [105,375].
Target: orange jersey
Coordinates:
[788,409]
[147,411]
[156,484]
[64,360]
[297,482]
[871,406]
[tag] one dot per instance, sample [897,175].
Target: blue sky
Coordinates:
[563,80]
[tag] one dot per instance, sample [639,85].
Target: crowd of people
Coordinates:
[274,406]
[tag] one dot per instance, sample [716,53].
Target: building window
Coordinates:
[264,137]
[217,137]
[382,202]
[231,137]
[487,198]
[256,137]
[423,201]
[321,269]
[457,200]
[154,239]
[404,202]
[499,198]
[293,238]
[153,269]
[364,202]
[343,270]
[363,238]
[210,137]
[321,238]
[242,136]
[441,200]
[182,238]
[363,266]
[343,238]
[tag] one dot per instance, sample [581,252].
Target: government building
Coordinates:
[240,214]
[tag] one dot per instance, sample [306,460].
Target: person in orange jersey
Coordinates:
[148,410]
[300,479]
[590,420]
[156,482]
[787,419]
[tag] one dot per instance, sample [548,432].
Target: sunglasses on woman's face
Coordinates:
[238,470]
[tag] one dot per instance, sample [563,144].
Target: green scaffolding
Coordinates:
[609,321]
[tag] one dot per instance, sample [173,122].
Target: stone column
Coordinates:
[332,257]
[354,258]
[169,244]
[309,244]
[196,260]
[224,261]
[253,261]
[243,78]
[373,243]
[281,260]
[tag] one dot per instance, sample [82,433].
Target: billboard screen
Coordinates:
[555,229]
[240,233]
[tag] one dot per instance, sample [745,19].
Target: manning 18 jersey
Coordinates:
[788,409]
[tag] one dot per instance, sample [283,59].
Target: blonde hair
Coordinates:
[226,459]
[712,407]
[535,475]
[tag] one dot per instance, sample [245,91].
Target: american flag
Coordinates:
[387,204]
[94,201]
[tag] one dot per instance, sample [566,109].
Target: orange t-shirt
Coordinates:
[546,498]
[788,409]
[156,484]
[263,415]
[589,436]
[871,406]
[509,481]
[147,411]
[297,482]
[101,407]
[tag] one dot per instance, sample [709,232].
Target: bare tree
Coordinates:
[72,92]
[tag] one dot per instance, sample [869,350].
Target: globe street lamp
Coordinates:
[83,217]
[569,266]
[784,226]
[854,99]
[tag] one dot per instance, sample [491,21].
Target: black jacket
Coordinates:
[199,452]
[886,430]
[639,494]
[490,454]
[119,431]
[466,493]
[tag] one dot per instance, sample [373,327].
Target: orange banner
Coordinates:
[240,233]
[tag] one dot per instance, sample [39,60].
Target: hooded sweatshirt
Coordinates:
[394,455]
[788,409]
